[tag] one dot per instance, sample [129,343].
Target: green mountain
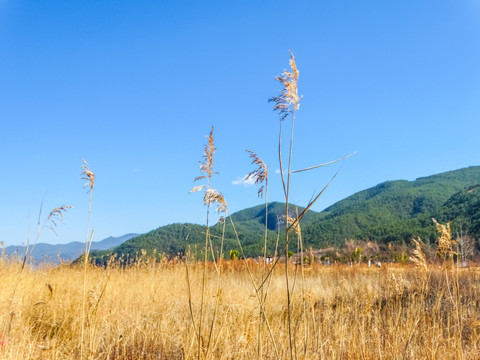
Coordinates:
[393,211]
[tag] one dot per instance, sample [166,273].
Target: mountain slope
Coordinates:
[404,199]
[393,211]
[464,209]
[249,225]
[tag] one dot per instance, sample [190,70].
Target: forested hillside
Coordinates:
[394,211]
[391,212]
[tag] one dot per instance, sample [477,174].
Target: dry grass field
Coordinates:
[143,312]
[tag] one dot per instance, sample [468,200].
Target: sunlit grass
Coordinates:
[142,313]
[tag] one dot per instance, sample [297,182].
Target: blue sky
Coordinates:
[133,87]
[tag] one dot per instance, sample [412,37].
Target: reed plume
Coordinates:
[260,174]
[418,257]
[56,216]
[445,242]
[206,166]
[288,100]
[213,196]
[88,175]
[196,189]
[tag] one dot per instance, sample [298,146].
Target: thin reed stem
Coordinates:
[189,291]
[90,177]
[88,242]
[263,294]
[217,300]
[204,281]
[289,313]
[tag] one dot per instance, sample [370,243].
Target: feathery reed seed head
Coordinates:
[88,175]
[196,189]
[213,196]
[288,101]
[260,174]
[418,257]
[56,215]
[210,196]
[445,242]
[206,166]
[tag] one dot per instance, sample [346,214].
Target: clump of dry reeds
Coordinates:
[56,215]
[451,287]
[210,197]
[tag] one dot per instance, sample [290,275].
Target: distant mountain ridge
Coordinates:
[393,211]
[55,253]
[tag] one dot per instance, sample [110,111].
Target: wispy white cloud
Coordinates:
[277,171]
[245,181]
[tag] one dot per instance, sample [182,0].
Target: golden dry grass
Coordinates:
[143,313]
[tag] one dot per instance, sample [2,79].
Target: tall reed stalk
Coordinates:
[286,105]
[54,217]
[260,176]
[89,176]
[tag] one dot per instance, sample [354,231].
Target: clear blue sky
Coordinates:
[133,87]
